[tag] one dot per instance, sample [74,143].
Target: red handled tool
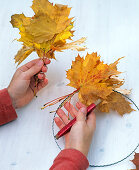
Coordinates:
[67,128]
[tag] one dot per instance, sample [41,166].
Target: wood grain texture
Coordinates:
[112,29]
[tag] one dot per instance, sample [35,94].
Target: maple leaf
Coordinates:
[116,102]
[96,80]
[136,160]
[45,32]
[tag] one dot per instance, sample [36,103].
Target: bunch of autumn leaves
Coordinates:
[48,31]
[45,32]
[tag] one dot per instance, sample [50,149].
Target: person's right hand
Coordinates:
[80,135]
[23,84]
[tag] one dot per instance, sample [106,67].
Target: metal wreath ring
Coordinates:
[105,165]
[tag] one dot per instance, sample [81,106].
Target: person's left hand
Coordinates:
[23,84]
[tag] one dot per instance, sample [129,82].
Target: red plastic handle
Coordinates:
[67,128]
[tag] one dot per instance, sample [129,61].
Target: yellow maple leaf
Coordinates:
[45,32]
[96,80]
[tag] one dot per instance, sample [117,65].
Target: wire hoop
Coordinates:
[105,165]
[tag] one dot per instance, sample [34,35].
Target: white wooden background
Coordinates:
[112,29]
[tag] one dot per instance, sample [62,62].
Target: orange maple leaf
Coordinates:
[96,80]
[136,160]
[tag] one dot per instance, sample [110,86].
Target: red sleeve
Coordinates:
[7,112]
[70,159]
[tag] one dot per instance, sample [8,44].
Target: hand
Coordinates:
[22,85]
[81,133]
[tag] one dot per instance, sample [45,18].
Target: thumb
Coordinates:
[91,120]
[34,69]
[81,115]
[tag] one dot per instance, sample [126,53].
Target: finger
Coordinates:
[71,109]
[34,69]
[47,61]
[41,76]
[79,105]
[45,80]
[91,121]
[29,65]
[63,116]
[81,115]
[44,69]
[59,122]
[42,84]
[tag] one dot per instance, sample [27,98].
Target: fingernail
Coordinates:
[48,60]
[45,81]
[83,110]
[40,63]
[44,69]
[41,75]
